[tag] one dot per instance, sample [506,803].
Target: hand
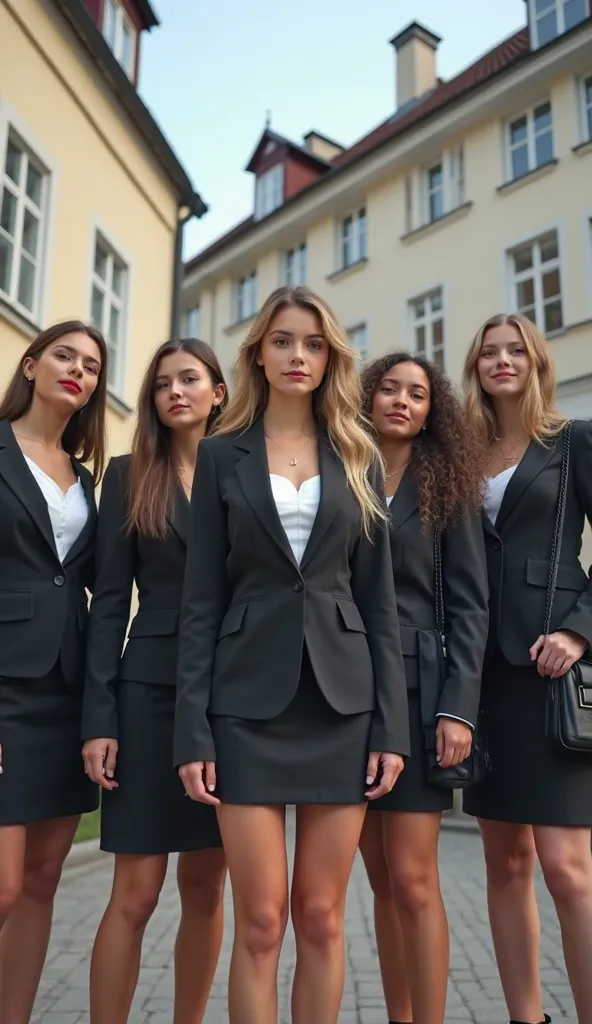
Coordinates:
[391,764]
[99,758]
[199,779]
[453,742]
[556,653]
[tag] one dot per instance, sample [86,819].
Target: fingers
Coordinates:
[453,742]
[95,755]
[372,769]
[536,648]
[210,776]
[391,767]
[110,759]
[440,741]
[192,777]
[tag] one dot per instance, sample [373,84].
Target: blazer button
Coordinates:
[297,586]
[498,545]
[59,581]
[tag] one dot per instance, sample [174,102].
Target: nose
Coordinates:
[175,391]
[77,368]
[297,354]
[400,401]
[503,358]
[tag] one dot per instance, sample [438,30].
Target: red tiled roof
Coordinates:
[502,56]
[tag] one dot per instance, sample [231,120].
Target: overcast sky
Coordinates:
[213,68]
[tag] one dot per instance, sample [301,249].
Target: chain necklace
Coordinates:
[507,458]
[293,459]
[395,472]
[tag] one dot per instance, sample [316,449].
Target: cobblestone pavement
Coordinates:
[474,990]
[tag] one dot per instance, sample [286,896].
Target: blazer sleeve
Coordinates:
[202,610]
[110,606]
[373,590]
[466,604]
[579,619]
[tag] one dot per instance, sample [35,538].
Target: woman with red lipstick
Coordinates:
[432,486]
[537,801]
[52,419]
[129,698]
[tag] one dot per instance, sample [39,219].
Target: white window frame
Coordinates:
[116,46]
[122,303]
[427,320]
[531,137]
[13,125]
[535,272]
[294,265]
[269,191]
[352,230]
[358,339]
[584,109]
[193,321]
[453,189]
[246,297]
[533,18]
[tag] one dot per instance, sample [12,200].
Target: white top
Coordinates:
[297,509]
[68,512]
[494,492]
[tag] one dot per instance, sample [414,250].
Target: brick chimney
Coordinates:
[415,48]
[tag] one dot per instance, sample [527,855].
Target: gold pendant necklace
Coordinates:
[293,459]
[395,472]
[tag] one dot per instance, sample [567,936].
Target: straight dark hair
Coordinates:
[84,437]
[153,478]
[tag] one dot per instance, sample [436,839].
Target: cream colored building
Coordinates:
[92,199]
[475,196]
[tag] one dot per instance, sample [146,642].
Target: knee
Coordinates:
[380,883]
[511,864]
[136,904]
[317,921]
[202,894]
[10,893]
[41,879]
[568,881]
[414,886]
[261,929]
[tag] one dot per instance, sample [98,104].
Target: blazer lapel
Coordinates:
[332,487]
[531,464]
[179,516]
[405,501]
[253,475]
[89,527]
[21,481]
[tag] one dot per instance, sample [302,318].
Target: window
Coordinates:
[530,141]
[295,265]
[24,189]
[193,322]
[586,109]
[435,192]
[246,297]
[120,35]
[269,191]
[427,325]
[108,306]
[536,282]
[358,339]
[352,239]
[550,18]
[440,188]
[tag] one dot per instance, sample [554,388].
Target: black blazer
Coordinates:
[464,577]
[43,604]
[157,566]
[248,608]
[519,549]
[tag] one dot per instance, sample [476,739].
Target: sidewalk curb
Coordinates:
[84,853]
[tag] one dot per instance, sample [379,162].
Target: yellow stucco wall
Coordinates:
[104,177]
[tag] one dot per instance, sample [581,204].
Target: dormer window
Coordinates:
[120,35]
[269,191]
[551,18]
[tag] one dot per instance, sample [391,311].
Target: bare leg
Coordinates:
[12,867]
[25,936]
[510,857]
[327,839]
[201,876]
[115,962]
[566,861]
[411,844]
[387,925]
[255,845]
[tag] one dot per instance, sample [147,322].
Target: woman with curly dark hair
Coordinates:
[434,490]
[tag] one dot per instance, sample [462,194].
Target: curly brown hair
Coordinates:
[447,460]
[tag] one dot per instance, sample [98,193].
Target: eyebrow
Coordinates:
[167,376]
[75,351]
[290,334]
[393,380]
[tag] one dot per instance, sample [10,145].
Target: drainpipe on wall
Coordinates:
[185,212]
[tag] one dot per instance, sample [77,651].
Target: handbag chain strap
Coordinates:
[440,613]
[558,531]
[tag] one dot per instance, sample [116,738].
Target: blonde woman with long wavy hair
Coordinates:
[537,801]
[291,685]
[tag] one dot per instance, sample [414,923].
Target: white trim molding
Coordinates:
[118,261]
[433,301]
[548,249]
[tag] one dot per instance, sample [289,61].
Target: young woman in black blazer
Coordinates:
[52,419]
[129,698]
[291,684]
[538,799]
[432,483]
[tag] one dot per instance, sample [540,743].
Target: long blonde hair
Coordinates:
[337,401]
[540,417]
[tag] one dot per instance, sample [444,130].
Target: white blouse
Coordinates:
[67,512]
[494,492]
[297,509]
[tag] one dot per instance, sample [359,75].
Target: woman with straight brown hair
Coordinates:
[129,698]
[537,800]
[291,687]
[52,419]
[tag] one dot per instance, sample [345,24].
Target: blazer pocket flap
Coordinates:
[408,640]
[154,622]
[352,620]
[569,577]
[233,620]
[15,607]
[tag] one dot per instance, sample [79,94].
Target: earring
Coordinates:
[29,381]
[425,426]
